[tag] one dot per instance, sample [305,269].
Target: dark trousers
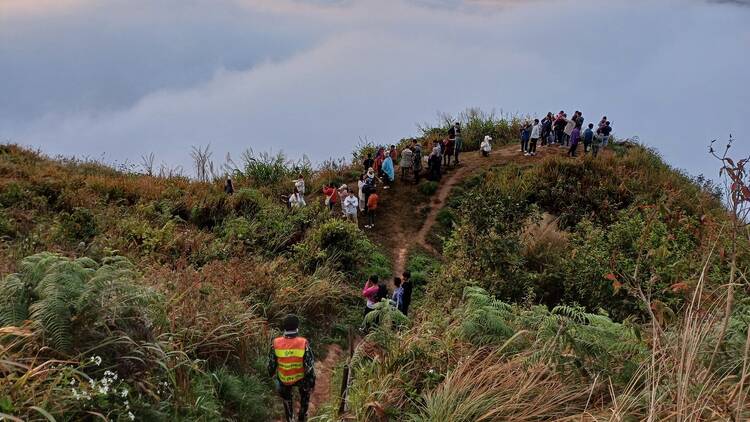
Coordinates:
[371,217]
[447,159]
[404,172]
[417,174]
[287,393]
[532,146]
[595,150]
[458,151]
[559,136]
[572,150]
[586,147]
[524,145]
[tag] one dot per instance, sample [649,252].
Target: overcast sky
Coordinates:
[122,78]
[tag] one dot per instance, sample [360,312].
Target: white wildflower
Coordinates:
[124,393]
[73,381]
[131,416]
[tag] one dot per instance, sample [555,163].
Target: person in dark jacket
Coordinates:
[547,128]
[408,287]
[525,135]
[588,138]
[454,133]
[229,186]
[291,363]
[368,162]
[417,160]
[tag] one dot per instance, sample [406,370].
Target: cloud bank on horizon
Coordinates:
[127,78]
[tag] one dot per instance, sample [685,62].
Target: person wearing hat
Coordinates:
[486,147]
[292,364]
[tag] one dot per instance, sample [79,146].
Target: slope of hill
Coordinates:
[548,287]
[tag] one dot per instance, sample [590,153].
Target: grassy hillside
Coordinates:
[549,288]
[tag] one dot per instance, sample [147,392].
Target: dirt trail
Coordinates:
[398,235]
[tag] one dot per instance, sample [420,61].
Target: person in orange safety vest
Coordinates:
[292,364]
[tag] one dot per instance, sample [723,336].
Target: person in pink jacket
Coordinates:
[370,293]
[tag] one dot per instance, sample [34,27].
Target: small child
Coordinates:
[398,294]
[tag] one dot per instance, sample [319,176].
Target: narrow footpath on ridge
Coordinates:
[398,230]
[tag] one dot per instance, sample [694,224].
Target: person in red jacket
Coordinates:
[331,196]
[372,206]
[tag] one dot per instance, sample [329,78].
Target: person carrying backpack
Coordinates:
[291,363]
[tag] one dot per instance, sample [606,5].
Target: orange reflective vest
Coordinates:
[290,354]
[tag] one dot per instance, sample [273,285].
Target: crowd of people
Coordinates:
[559,130]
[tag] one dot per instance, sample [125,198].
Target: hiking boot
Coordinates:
[526,155]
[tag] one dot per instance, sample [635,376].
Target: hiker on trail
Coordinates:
[343,194]
[454,133]
[331,196]
[604,132]
[485,147]
[372,206]
[291,363]
[368,162]
[536,133]
[407,157]
[559,127]
[398,294]
[570,124]
[228,186]
[448,152]
[351,206]
[579,120]
[416,160]
[370,293]
[389,172]
[546,129]
[297,200]
[525,136]
[588,138]
[369,187]
[361,191]
[379,157]
[300,184]
[602,122]
[407,287]
[394,153]
[575,135]
[433,163]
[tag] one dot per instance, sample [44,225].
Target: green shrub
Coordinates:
[247,202]
[79,224]
[14,194]
[428,188]
[210,212]
[245,398]
[7,227]
[342,246]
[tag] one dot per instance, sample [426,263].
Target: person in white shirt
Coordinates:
[351,206]
[343,194]
[536,133]
[300,184]
[485,146]
[361,192]
[297,200]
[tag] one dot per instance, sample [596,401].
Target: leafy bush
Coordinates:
[79,224]
[245,398]
[247,202]
[6,224]
[428,188]
[210,211]
[75,302]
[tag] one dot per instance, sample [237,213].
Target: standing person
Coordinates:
[372,206]
[579,120]
[602,122]
[370,293]
[398,294]
[291,363]
[536,133]
[351,206]
[547,128]
[448,152]
[408,287]
[433,162]
[454,134]
[595,145]
[228,186]
[570,124]
[525,136]
[575,135]
[300,184]
[604,132]
[394,153]
[343,194]
[296,200]
[331,196]
[368,162]
[417,160]
[559,127]
[588,138]
[379,157]
[485,146]
[407,157]
[361,191]
[388,171]
[369,187]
